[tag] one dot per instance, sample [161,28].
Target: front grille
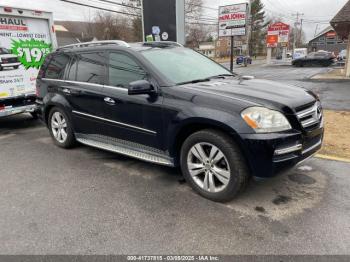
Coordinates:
[311,116]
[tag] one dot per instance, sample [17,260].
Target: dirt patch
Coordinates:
[337,134]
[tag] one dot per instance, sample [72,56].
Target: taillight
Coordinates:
[8,9]
[2,107]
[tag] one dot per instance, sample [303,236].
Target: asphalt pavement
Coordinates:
[88,201]
[334,95]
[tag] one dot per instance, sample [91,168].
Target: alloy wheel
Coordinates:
[208,167]
[59,127]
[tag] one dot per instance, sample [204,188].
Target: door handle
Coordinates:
[109,101]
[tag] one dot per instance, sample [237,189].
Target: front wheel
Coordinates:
[213,165]
[60,128]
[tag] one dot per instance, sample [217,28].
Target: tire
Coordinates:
[66,138]
[1,68]
[16,67]
[226,177]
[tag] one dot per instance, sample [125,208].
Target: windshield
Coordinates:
[182,65]
[4,51]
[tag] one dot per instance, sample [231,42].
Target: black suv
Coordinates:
[166,104]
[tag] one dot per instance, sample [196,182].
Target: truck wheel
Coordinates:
[60,128]
[16,67]
[1,68]
[213,165]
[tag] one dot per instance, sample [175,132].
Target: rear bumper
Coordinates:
[17,110]
[270,154]
[17,105]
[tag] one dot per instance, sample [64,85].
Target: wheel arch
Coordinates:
[55,100]
[195,125]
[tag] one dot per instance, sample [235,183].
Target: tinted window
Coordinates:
[56,67]
[91,68]
[123,70]
[4,51]
[72,73]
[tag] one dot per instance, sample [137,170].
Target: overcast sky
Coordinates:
[315,11]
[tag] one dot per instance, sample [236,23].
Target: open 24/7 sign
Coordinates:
[233,19]
[277,33]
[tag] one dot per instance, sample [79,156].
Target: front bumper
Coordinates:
[270,154]
[10,64]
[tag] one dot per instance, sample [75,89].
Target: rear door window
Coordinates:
[123,70]
[56,66]
[72,71]
[91,68]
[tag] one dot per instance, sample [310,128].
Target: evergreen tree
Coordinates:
[258,27]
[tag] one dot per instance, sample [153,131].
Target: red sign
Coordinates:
[331,34]
[272,39]
[278,27]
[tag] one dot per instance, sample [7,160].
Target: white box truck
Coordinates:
[26,37]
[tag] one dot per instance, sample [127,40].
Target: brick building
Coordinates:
[223,46]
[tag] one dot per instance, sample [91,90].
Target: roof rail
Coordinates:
[96,43]
[162,44]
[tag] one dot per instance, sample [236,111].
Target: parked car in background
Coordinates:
[166,104]
[241,59]
[342,55]
[299,53]
[315,58]
[7,59]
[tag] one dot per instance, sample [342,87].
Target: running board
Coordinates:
[126,148]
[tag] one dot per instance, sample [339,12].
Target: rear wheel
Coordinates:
[60,128]
[213,165]
[16,67]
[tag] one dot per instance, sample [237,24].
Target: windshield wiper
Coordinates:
[195,81]
[221,76]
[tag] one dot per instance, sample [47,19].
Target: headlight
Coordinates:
[264,120]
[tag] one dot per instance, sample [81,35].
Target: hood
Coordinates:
[266,93]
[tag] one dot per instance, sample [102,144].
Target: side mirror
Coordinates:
[140,87]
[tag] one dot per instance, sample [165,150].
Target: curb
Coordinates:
[334,158]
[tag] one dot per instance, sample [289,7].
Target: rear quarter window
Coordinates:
[56,67]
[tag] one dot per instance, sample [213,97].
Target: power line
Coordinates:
[99,8]
[115,3]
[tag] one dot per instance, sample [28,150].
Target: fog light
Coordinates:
[287,150]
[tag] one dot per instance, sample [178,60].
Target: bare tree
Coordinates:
[112,26]
[196,31]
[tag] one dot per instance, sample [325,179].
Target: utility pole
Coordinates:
[300,31]
[295,33]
